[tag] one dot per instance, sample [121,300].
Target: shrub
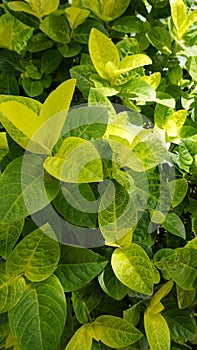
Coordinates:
[98,155]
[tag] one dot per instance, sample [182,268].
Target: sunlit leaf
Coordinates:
[133,268]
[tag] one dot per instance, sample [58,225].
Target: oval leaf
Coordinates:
[133,268]
[37,321]
[102,50]
[36,256]
[78,266]
[114,331]
[157,331]
[22,188]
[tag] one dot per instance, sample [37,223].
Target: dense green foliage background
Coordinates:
[138,290]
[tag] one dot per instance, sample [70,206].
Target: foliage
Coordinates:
[98,217]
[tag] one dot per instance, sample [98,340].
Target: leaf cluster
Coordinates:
[98,161]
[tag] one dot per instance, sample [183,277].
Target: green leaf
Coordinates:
[187,149]
[181,324]
[87,122]
[132,315]
[39,316]
[18,188]
[9,235]
[14,34]
[50,61]
[117,215]
[11,290]
[128,24]
[96,98]
[138,90]
[81,33]
[39,42]
[69,50]
[178,189]
[162,111]
[187,276]
[106,11]
[85,300]
[185,297]
[36,255]
[157,331]
[32,87]
[100,346]
[191,66]
[133,268]
[57,28]
[76,16]
[77,161]
[102,51]
[175,74]
[78,266]
[174,225]
[178,264]
[10,62]
[111,285]
[75,203]
[82,75]
[103,86]
[81,339]
[8,84]
[160,38]
[114,331]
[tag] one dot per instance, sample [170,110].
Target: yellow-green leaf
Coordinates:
[178,189]
[174,122]
[179,16]
[11,290]
[102,50]
[36,255]
[135,61]
[185,297]
[81,339]
[59,100]
[77,161]
[157,331]
[76,16]
[133,268]
[38,8]
[160,294]
[114,331]
[20,6]
[153,79]
[4,149]
[117,216]
[53,113]
[21,123]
